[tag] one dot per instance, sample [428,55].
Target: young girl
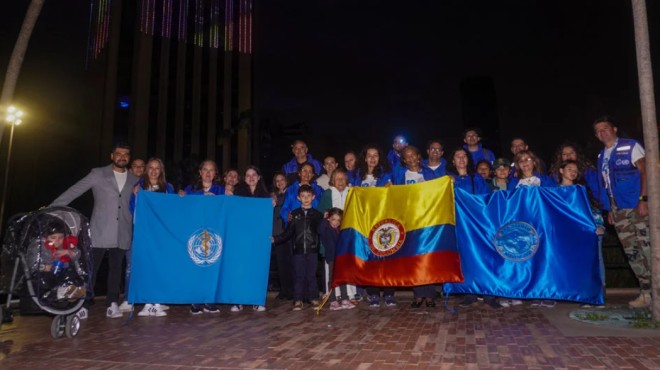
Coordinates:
[568,175]
[153,179]
[252,186]
[329,232]
[230,179]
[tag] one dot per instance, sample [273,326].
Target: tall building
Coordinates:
[174,78]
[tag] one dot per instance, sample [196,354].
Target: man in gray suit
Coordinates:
[112,222]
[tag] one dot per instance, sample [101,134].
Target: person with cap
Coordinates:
[502,168]
[394,155]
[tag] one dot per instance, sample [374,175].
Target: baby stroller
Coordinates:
[49,255]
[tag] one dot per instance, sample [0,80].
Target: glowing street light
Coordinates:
[14,118]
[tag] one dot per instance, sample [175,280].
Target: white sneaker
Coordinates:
[157,310]
[164,307]
[236,308]
[82,313]
[505,302]
[347,305]
[146,310]
[113,311]
[516,302]
[125,307]
[259,308]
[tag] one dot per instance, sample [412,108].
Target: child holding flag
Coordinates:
[329,232]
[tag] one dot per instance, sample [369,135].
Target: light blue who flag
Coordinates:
[200,249]
[534,243]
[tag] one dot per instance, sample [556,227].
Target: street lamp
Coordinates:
[14,118]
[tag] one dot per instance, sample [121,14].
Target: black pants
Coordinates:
[284,259]
[374,290]
[115,260]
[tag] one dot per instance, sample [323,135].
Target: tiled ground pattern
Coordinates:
[365,338]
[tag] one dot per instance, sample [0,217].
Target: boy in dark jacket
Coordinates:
[303,229]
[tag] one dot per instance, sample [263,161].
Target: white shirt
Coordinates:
[413,177]
[369,181]
[120,177]
[530,181]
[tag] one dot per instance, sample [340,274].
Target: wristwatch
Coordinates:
[643,198]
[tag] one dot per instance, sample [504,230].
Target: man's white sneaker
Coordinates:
[113,311]
[259,308]
[236,308]
[82,313]
[146,310]
[125,307]
[643,301]
[164,307]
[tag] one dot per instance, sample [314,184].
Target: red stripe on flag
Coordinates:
[430,268]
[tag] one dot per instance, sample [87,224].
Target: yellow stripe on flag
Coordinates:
[415,206]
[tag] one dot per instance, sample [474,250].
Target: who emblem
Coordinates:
[204,247]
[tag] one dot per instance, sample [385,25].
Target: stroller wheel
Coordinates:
[72,326]
[57,326]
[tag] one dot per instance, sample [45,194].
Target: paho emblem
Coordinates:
[386,237]
[204,247]
[517,241]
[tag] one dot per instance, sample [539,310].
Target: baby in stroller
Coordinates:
[54,263]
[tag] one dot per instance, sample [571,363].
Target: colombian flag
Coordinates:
[398,236]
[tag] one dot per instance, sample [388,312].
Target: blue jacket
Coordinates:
[624,176]
[394,159]
[480,154]
[399,176]
[291,201]
[382,181]
[440,171]
[215,189]
[474,184]
[169,189]
[592,179]
[292,166]
[546,182]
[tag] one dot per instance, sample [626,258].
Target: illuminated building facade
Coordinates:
[175,77]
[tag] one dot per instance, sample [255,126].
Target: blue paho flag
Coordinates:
[535,243]
[200,249]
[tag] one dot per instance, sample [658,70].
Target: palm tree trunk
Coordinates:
[16,60]
[650,126]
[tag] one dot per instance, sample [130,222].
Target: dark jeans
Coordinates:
[304,280]
[375,290]
[284,256]
[115,259]
[424,291]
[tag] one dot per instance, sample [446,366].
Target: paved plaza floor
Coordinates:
[478,337]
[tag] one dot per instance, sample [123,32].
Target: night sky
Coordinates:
[361,71]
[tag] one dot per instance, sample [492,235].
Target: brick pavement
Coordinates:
[478,337]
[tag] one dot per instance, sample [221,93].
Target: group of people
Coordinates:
[308,198]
